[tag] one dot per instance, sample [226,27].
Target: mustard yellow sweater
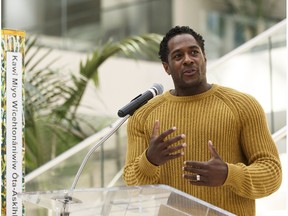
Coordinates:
[233,121]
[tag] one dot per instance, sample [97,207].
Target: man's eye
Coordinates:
[195,52]
[177,56]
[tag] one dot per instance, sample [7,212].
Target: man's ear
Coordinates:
[166,67]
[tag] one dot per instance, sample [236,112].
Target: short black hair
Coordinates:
[163,50]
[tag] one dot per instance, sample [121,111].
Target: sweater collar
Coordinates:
[203,95]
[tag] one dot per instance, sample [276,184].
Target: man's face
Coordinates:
[186,64]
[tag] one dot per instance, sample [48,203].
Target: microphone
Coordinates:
[140,100]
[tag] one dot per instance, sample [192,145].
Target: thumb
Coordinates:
[213,152]
[156,129]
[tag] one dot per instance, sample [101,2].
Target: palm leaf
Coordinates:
[129,47]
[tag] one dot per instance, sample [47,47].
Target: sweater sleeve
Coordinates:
[138,170]
[262,175]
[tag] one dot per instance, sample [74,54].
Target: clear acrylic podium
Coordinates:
[144,200]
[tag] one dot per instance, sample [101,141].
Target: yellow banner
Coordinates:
[12,121]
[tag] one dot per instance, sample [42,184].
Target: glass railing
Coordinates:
[99,170]
[258,67]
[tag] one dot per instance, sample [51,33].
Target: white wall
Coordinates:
[121,80]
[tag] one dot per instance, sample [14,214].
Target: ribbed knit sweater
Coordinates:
[235,123]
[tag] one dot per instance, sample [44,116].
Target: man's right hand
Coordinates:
[160,150]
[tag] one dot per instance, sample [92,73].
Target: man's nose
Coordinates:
[188,59]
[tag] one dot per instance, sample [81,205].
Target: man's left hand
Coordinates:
[210,173]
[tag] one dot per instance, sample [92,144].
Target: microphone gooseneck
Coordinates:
[125,112]
[99,143]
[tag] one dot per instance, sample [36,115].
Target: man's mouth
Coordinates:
[189,72]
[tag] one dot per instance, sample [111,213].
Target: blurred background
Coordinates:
[85,59]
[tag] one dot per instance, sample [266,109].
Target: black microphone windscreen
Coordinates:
[159,88]
[140,100]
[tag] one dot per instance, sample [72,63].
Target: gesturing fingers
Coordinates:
[162,138]
[196,179]
[161,149]
[163,135]
[160,152]
[196,172]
